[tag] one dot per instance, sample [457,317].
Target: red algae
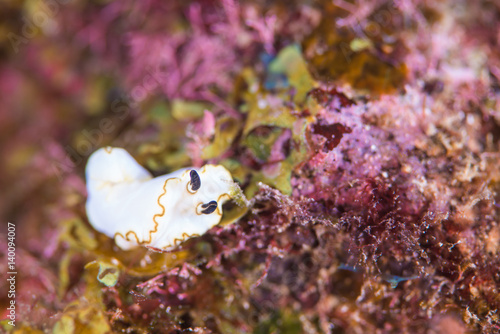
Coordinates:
[332,132]
[365,135]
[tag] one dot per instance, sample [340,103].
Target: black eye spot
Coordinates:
[209,207]
[195,180]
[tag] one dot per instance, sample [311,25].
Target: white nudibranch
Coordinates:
[126,203]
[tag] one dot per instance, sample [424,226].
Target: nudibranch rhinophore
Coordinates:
[126,203]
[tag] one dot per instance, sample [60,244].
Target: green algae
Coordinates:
[290,63]
[346,58]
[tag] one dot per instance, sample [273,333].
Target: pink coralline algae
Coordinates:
[365,138]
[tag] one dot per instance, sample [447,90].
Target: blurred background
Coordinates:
[179,83]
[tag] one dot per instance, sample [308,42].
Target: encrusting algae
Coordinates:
[365,136]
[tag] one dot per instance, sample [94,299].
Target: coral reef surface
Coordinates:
[365,136]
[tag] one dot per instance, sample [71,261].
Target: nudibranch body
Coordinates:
[126,203]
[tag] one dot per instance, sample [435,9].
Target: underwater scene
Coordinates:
[269,166]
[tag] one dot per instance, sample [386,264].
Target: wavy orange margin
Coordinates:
[151,232]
